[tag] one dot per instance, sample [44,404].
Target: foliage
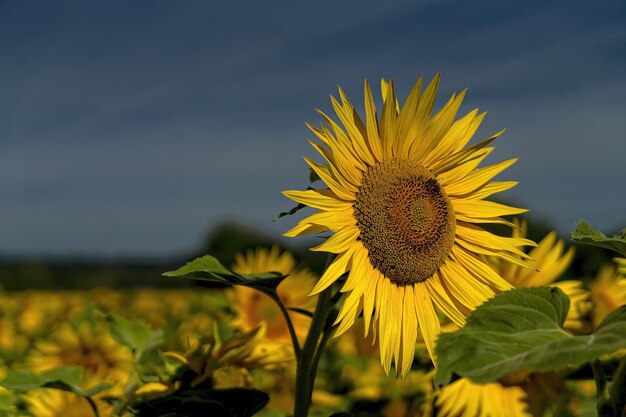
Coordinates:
[586,234]
[522,330]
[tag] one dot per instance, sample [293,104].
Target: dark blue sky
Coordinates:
[131,127]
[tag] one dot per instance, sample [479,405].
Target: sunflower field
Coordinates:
[434,300]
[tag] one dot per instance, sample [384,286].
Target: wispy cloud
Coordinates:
[128,129]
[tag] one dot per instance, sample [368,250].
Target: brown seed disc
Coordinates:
[406,220]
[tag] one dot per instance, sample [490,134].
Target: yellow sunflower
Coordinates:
[608,291]
[253,307]
[463,398]
[621,265]
[44,402]
[549,261]
[405,198]
[89,346]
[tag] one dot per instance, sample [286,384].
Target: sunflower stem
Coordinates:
[328,332]
[297,350]
[307,364]
[617,392]
[93,405]
[603,405]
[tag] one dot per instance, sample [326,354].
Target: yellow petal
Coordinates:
[320,199]
[336,269]
[340,241]
[427,318]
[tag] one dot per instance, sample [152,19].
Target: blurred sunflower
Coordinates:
[404,200]
[88,345]
[466,399]
[44,402]
[253,307]
[549,260]
[508,397]
[621,265]
[226,364]
[608,290]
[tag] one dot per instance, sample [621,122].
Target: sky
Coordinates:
[131,128]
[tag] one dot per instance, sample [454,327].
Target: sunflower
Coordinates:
[405,198]
[621,265]
[463,398]
[44,402]
[549,261]
[253,307]
[608,290]
[226,364]
[88,345]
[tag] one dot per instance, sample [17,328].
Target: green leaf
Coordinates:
[290,212]
[313,177]
[205,264]
[207,268]
[587,235]
[522,329]
[65,379]
[135,334]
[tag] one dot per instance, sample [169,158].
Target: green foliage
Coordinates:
[207,268]
[65,378]
[587,235]
[7,401]
[522,329]
[135,334]
[291,211]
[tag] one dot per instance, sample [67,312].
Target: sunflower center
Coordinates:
[406,220]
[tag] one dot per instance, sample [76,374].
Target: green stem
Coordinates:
[617,392]
[603,405]
[328,332]
[292,332]
[93,405]
[305,371]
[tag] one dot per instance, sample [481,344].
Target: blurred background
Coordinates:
[136,135]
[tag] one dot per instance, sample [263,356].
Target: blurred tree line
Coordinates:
[223,242]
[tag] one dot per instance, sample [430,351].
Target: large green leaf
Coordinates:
[135,334]
[522,329]
[586,234]
[207,268]
[66,379]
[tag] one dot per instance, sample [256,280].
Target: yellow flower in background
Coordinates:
[44,402]
[608,291]
[253,307]
[226,364]
[463,398]
[621,265]
[549,260]
[90,346]
[404,200]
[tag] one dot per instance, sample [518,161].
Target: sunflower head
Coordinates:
[46,402]
[550,260]
[463,398]
[405,199]
[253,307]
[225,364]
[88,345]
[608,291]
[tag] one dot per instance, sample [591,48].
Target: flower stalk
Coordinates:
[307,363]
